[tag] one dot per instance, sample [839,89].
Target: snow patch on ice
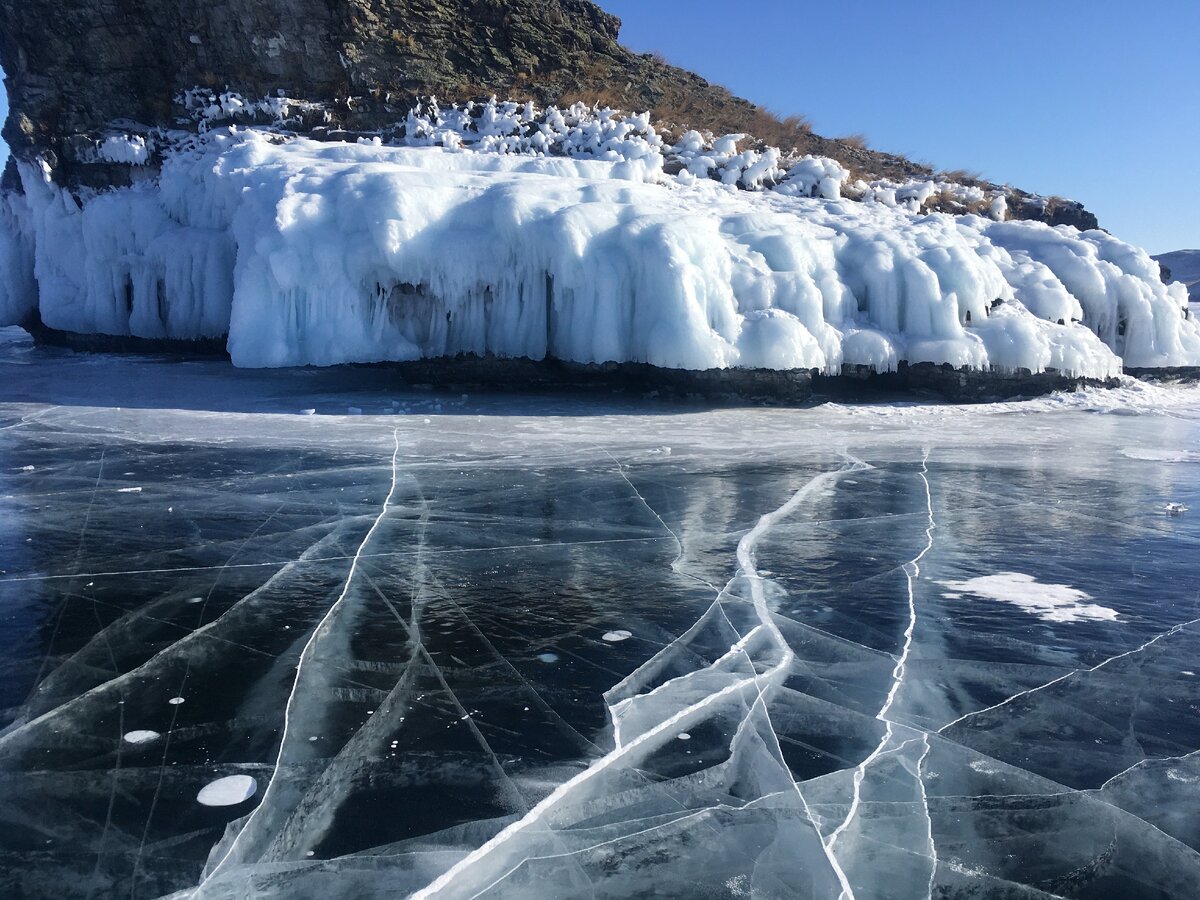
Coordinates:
[1049,602]
[228,791]
[983,767]
[141,736]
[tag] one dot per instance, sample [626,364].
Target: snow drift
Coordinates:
[307,252]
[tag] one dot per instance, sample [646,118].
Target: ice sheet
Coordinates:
[400,628]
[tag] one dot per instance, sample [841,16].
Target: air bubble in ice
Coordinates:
[615,637]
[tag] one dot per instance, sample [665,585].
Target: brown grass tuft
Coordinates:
[962,176]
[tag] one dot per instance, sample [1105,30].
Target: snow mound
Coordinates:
[569,240]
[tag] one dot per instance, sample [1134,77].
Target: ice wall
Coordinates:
[18,289]
[323,253]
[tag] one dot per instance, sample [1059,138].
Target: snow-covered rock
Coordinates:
[130,149]
[522,233]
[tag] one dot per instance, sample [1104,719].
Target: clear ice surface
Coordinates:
[399,627]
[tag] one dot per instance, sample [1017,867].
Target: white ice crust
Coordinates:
[308,252]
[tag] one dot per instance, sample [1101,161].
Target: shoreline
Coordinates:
[796,386]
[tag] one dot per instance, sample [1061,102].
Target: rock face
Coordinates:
[78,67]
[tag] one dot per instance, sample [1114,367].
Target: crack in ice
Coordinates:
[392,554]
[912,571]
[1175,629]
[306,654]
[656,735]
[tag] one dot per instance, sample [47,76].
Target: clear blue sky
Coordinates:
[1097,100]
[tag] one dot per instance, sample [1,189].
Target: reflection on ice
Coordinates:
[878,651]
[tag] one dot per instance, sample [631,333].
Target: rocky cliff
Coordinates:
[77,68]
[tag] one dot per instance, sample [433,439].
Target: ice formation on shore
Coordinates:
[572,239]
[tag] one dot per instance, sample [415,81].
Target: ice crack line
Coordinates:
[655,736]
[30,418]
[306,654]
[912,571]
[324,559]
[675,567]
[746,562]
[1147,761]
[1158,637]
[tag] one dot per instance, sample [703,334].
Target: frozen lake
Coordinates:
[489,646]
